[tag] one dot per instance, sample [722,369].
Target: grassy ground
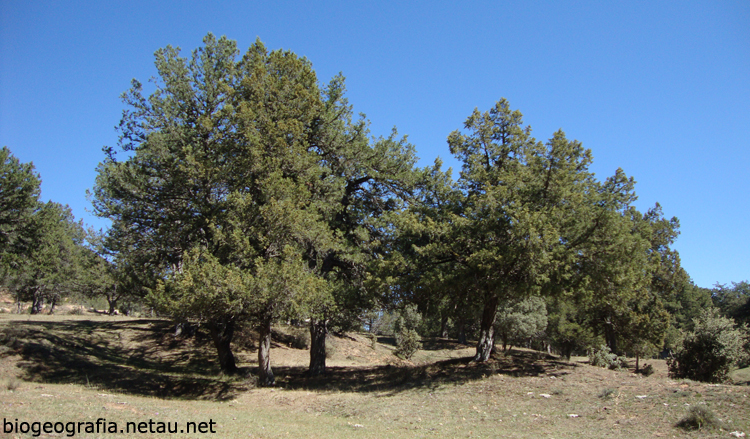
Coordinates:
[81,368]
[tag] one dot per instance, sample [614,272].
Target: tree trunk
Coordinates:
[265,373]
[38,303]
[318,333]
[444,327]
[112,300]
[462,332]
[222,334]
[487,331]
[637,357]
[52,305]
[610,336]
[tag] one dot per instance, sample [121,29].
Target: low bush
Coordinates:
[646,370]
[698,418]
[13,384]
[407,337]
[300,338]
[407,343]
[604,357]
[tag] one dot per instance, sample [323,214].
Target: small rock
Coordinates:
[545,395]
[641,396]
[572,415]
[737,434]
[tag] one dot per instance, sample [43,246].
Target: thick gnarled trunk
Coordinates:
[38,303]
[610,336]
[486,342]
[318,334]
[222,334]
[462,332]
[265,373]
[444,327]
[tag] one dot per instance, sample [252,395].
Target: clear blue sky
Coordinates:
[660,89]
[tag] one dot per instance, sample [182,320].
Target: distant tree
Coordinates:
[19,198]
[569,327]
[519,320]
[104,273]
[631,274]
[734,301]
[711,350]
[50,263]
[520,215]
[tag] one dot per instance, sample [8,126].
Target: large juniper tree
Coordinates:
[218,179]
[366,179]
[517,223]
[520,197]
[246,171]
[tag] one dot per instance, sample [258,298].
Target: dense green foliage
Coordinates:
[711,350]
[19,197]
[248,171]
[519,321]
[734,301]
[49,265]
[41,244]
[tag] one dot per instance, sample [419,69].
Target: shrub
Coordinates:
[407,343]
[13,384]
[646,370]
[711,351]
[76,311]
[605,358]
[300,338]
[407,337]
[699,417]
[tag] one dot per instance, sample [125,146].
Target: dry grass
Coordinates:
[77,368]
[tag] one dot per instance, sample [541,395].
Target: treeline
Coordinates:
[244,192]
[45,254]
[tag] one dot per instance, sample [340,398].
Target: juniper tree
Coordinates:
[366,179]
[217,167]
[519,196]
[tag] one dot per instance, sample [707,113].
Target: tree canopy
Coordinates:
[244,192]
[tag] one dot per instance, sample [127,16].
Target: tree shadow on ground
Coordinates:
[437,344]
[395,379]
[135,356]
[143,357]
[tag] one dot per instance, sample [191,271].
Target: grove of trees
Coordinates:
[244,192]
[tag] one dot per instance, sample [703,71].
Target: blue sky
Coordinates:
[660,89]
